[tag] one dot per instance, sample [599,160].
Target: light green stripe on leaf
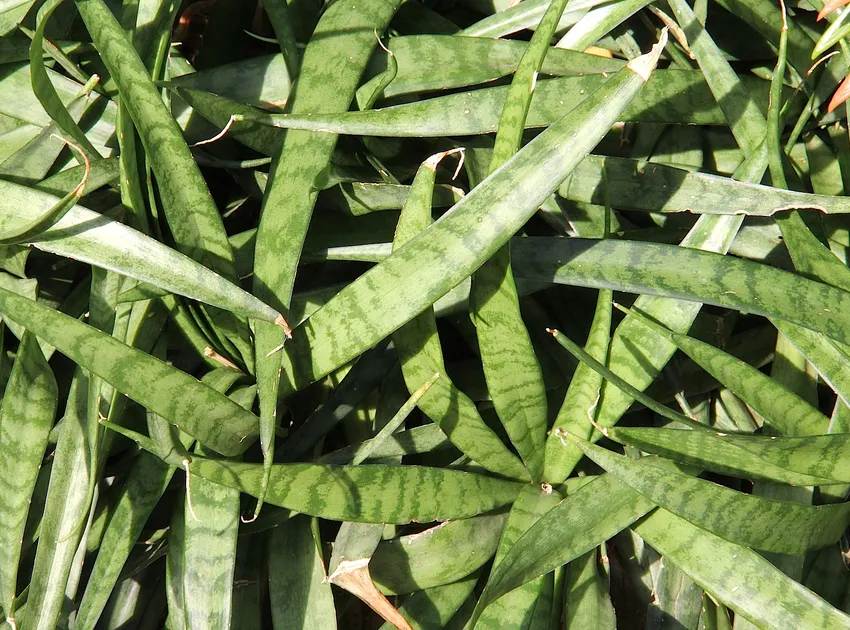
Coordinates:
[685,96]
[332,64]
[745,519]
[763,458]
[179,398]
[366,493]
[511,369]
[192,215]
[66,508]
[782,408]
[687,274]
[738,577]
[439,258]
[585,519]
[26,417]
[98,240]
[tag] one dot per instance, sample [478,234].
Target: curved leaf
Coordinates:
[439,555]
[93,238]
[192,216]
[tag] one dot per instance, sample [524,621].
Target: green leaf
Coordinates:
[44,89]
[517,17]
[384,494]
[741,518]
[210,530]
[67,506]
[434,607]
[738,577]
[438,62]
[583,394]
[666,270]
[421,355]
[634,185]
[30,231]
[511,369]
[197,409]
[439,555]
[440,257]
[331,67]
[26,417]
[588,604]
[192,217]
[517,608]
[743,116]
[579,523]
[783,409]
[298,588]
[145,484]
[93,238]
[686,98]
[716,452]
[599,21]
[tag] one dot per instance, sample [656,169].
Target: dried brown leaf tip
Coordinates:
[841,94]
[280,321]
[829,6]
[354,577]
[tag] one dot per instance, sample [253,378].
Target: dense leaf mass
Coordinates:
[424,313]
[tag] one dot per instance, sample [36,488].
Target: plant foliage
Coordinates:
[437,314]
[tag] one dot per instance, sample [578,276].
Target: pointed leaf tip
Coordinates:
[840,96]
[645,64]
[280,321]
[829,6]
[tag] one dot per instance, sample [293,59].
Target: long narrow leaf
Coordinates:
[165,390]
[443,255]
[26,417]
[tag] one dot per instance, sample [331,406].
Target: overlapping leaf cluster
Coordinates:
[270,360]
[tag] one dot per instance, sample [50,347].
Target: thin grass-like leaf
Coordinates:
[44,89]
